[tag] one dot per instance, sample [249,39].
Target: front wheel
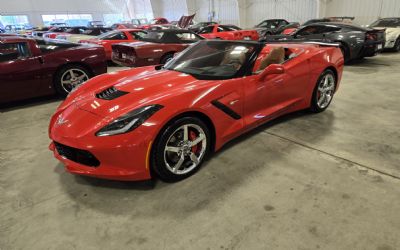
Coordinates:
[69,77]
[323,91]
[180,149]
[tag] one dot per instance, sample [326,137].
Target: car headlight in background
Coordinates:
[129,121]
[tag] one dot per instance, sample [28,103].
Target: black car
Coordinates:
[344,19]
[198,26]
[356,42]
[273,27]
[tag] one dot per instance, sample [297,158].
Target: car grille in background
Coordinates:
[110,93]
[77,155]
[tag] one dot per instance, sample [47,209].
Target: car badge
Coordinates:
[61,120]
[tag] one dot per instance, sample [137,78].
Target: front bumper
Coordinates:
[119,157]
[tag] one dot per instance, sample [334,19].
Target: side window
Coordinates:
[13,51]
[138,34]
[117,36]
[311,30]
[220,29]
[331,29]
[206,30]
[187,37]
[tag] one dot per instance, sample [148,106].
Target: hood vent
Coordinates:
[110,93]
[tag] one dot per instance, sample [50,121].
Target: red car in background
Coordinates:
[115,36]
[164,121]
[155,21]
[54,32]
[156,47]
[32,67]
[228,32]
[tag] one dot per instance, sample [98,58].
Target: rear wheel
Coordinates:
[346,52]
[69,77]
[323,91]
[397,45]
[180,149]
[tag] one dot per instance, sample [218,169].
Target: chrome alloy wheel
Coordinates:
[185,149]
[72,78]
[326,89]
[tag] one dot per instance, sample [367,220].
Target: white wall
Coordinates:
[292,10]
[364,11]
[35,8]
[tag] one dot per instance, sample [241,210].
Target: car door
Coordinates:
[20,74]
[276,94]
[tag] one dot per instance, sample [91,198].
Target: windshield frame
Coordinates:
[245,69]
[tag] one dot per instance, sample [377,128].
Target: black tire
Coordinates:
[396,47]
[167,57]
[346,52]
[159,155]
[315,107]
[62,90]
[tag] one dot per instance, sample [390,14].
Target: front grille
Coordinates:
[110,93]
[77,155]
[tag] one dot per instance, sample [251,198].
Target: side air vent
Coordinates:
[110,93]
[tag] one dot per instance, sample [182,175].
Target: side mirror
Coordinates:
[272,69]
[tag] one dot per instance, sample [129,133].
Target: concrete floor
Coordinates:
[325,181]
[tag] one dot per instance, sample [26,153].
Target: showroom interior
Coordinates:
[200,124]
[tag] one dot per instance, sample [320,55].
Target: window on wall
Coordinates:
[67,19]
[110,19]
[16,21]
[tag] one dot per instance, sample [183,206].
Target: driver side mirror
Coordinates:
[272,69]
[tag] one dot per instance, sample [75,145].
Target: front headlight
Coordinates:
[129,121]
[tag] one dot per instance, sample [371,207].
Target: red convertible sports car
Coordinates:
[228,32]
[115,36]
[164,121]
[156,47]
[35,67]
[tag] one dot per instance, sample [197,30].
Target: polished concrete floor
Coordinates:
[325,181]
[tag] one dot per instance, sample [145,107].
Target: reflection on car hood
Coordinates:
[144,86]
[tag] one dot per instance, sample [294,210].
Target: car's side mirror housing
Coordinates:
[272,69]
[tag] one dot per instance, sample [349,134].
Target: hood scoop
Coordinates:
[110,93]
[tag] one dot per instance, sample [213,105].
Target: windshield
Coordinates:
[393,22]
[213,59]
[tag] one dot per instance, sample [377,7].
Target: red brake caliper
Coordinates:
[192,137]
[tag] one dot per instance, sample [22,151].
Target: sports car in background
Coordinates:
[340,19]
[392,31]
[273,26]
[356,42]
[155,21]
[59,31]
[115,36]
[227,32]
[198,26]
[165,121]
[87,34]
[156,47]
[32,67]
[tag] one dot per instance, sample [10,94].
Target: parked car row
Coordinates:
[157,44]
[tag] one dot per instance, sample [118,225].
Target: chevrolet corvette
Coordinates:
[156,47]
[227,32]
[166,120]
[392,31]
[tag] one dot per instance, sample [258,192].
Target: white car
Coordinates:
[87,34]
[392,26]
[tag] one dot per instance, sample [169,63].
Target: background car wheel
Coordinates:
[180,149]
[166,58]
[397,45]
[68,77]
[346,52]
[323,91]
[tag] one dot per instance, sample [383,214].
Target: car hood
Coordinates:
[144,86]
